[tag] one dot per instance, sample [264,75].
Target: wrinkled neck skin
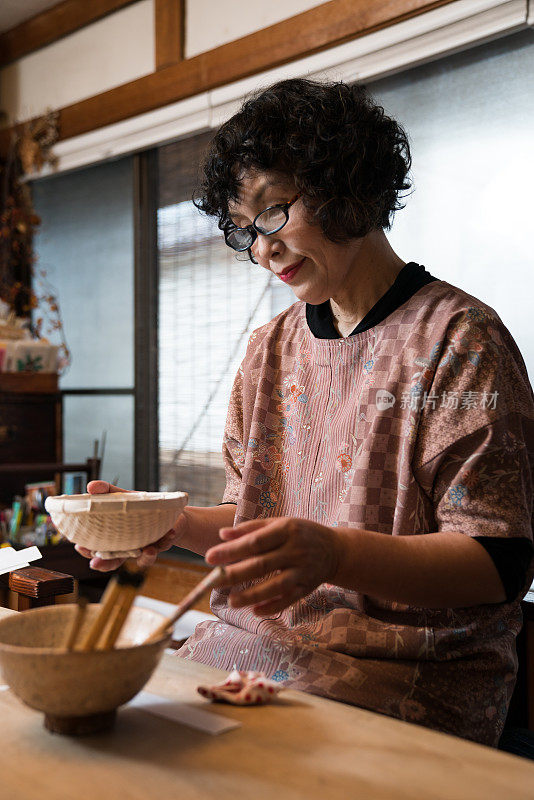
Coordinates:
[372,270]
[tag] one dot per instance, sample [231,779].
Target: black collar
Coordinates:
[410,279]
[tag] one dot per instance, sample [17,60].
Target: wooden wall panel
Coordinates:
[170,31]
[51,25]
[321,27]
[171,580]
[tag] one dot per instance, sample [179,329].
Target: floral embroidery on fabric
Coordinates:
[422,379]
[469,340]
[291,395]
[509,442]
[470,478]
[271,449]
[318,478]
[504,472]
[236,449]
[343,462]
[477,314]
[268,500]
[303,357]
[457,494]
[270,458]
[238,453]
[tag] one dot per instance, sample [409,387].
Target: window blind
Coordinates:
[209,303]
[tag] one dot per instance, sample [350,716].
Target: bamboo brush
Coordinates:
[107,602]
[208,582]
[76,624]
[120,612]
[114,597]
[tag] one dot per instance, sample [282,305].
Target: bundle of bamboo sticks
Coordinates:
[115,605]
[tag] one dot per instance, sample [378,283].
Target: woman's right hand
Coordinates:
[148,553]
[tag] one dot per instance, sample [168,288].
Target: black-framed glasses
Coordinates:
[268,221]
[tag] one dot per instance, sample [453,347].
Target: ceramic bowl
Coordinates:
[118,524]
[78,692]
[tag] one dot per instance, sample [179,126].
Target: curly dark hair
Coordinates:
[348,159]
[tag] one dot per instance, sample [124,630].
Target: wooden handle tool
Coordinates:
[208,582]
[76,624]
[117,618]
[107,602]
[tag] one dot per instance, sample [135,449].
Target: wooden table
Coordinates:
[302,747]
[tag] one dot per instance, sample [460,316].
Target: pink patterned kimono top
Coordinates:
[423,423]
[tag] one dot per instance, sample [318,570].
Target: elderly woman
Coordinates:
[376,521]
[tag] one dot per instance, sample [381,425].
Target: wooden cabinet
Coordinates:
[30,436]
[30,430]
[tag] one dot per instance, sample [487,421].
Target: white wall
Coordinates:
[114,50]
[120,48]
[232,19]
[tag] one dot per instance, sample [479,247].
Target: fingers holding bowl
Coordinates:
[150,553]
[106,564]
[104,487]
[83,551]
[99,564]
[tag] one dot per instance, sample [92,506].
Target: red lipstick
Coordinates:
[289,273]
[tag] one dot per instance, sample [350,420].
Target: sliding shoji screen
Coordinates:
[209,303]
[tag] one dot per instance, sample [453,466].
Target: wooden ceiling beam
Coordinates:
[169,31]
[324,26]
[53,24]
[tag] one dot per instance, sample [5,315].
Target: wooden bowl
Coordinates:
[78,692]
[118,524]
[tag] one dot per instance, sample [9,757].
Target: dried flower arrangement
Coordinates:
[24,290]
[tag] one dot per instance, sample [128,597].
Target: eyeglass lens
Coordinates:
[269,221]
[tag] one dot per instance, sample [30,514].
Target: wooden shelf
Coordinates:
[30,429]
[29,382]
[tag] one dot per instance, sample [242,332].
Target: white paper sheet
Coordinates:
[184,714]
[185,626]
[11,559]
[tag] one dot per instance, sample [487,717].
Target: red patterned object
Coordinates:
[242,689]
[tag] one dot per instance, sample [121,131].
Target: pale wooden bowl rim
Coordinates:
[60,652]
[112,502]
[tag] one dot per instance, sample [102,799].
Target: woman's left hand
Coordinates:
[300,553]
